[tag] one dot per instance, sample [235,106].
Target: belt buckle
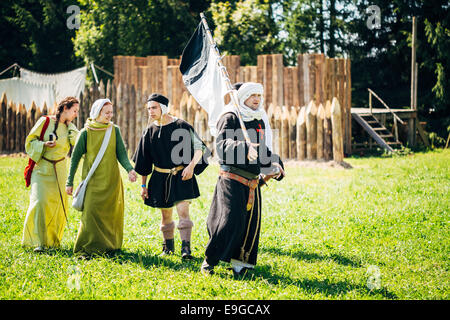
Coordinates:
[173,171]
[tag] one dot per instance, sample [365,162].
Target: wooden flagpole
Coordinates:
[226,78]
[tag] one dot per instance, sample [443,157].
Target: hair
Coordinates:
[237,85]
[67,102]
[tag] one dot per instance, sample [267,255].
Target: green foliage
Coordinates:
[245,28]
[377,231]
[137,28]
[34,34]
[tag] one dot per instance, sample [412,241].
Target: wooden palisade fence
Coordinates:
[309,132]
[314,78]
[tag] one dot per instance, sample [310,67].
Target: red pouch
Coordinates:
[29,168]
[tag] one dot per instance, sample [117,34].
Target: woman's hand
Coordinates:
[50,144]
[132,175]
[69,190]
[187,173]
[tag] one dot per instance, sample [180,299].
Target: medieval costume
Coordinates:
[101,227]
[234,220]
[164,151]
[47,213]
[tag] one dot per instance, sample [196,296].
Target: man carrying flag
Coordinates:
[234,219]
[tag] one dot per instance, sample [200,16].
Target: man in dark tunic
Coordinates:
[234,220]
[172,152]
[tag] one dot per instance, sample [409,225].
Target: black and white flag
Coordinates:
[202,76]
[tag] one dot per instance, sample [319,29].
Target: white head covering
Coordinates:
[97,107]
[164,108]
[247,113]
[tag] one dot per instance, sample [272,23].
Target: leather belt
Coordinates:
[251,183]
[167,186]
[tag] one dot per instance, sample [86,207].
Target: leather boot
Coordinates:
[168,247]
[186,250]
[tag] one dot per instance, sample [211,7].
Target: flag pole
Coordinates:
[225,77]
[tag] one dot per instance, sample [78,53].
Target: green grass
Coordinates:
[322,230]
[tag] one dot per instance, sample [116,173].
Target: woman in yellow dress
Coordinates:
[47,212]
[101,228]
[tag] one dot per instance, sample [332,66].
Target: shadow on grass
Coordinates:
[311,257]
[150,260]
[313,286]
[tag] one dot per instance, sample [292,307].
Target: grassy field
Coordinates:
[377,231]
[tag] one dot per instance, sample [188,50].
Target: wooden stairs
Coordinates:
[377,131]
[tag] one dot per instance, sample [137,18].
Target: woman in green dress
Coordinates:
[101,228]
[47,212]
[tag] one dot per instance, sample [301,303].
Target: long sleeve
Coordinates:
[78,151]
[33,146]
[197,143]
[121,152]
[73,133]
[143,162]
[230,149]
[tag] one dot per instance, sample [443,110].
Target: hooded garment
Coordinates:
[97,107]
[248,114]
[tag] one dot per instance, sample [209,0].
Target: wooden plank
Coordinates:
[372,132]
[292,133]
[327,133]
[301,134]
[277,142]
[285,133]
[337,134]
[311,131]
[423,135]
[3,123]
[277,79]
[320,121]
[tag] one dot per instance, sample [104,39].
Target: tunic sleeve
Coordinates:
[78,151]
[121,152]
[73,134]
[142,158]
[225,143]
[197,143]
[33,146]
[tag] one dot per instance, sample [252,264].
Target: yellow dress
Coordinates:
[45,219]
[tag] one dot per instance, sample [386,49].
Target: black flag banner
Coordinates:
[202,76]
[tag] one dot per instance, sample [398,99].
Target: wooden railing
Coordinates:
[395,117]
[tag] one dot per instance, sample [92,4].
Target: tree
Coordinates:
[34,34]
[245,28]
[138,28]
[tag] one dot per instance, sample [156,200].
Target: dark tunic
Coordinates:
[234,231]
[174,147]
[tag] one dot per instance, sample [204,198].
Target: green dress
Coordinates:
[101,227]
[45,219]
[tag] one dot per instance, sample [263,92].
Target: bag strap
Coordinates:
[47,121]
[100,153]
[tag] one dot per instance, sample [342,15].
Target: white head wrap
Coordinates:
[247,113]
[97,107]
[164,108]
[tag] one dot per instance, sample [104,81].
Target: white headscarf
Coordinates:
[97,107]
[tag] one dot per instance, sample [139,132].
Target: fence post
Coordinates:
[311,131]
[292,133]
[336,122]
[301,134]
[320,120]
[3,113]
[285,133]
